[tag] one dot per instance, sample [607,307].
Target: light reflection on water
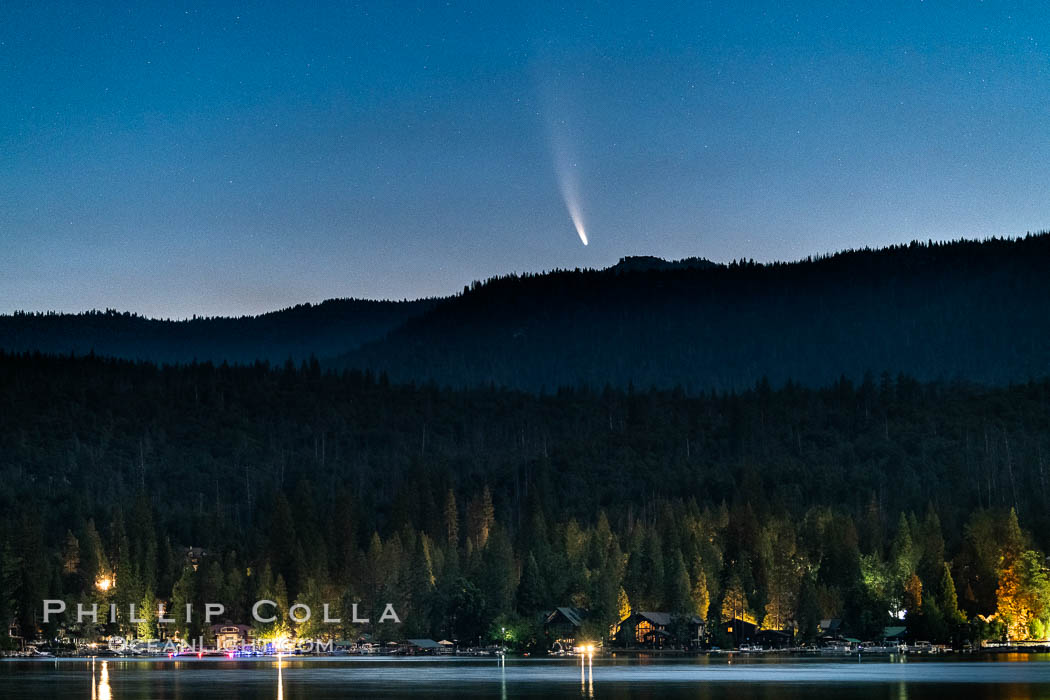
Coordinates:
[587,689]
[609,679]
[102,691]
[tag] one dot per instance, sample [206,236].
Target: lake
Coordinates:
[1013,676]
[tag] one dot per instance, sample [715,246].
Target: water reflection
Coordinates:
[556,679]
[587,675]
[102,692]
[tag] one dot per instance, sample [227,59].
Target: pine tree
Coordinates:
[624,605]
[70,554]
[532,591]
[679,593]
[653,566]
[700,595]
[949,601]
[184,593]
[482,515]
[734,603]
[147,612]
[451,520]
[420,587]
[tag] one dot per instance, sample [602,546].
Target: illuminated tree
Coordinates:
[481,516]
[623,604]
[700,596]
[147,612]
[1024,596]
[281,627]
[313,628]
[782,575]
[949,601]
[1012,546]
[734,603]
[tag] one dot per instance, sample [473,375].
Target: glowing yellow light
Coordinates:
[281,643]
[104,583]
[104,691]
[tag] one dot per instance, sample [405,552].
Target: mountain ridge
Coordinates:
[962,309]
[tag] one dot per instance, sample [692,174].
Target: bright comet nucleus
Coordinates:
[570,193]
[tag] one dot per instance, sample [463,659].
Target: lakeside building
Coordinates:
[657,630]
[230,636]
[562,627]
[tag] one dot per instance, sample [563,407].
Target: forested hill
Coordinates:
[469,508]
[962,310]
[321,330]
[973,310]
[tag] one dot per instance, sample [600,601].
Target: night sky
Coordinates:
[216,158]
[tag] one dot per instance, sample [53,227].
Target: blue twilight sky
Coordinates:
[219,158]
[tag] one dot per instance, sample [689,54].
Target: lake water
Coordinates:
[1015,676]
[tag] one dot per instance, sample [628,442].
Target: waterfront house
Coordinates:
[831,627]
[562,626]
[775,639]
[741,631]
[229,636]
[659,629]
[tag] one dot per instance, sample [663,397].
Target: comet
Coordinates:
[569,183]
[565,168]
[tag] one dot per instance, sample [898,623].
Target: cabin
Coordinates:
[831,627]
[741,631]
[831,631]
[657,630]
[775,639]
[562,626]
[229,636]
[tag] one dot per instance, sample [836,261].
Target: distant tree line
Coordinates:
[298,332]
